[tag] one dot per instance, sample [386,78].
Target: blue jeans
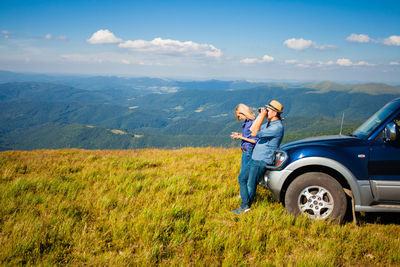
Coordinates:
[246,157]
[248,180]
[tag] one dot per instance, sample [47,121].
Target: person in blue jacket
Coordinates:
[245,114]
[270,137]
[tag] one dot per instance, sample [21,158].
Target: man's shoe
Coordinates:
[241,210]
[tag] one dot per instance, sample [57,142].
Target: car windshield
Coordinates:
[375,120]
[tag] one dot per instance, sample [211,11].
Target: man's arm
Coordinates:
[255,127]
[273,130]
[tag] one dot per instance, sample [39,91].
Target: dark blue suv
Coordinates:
[321,176]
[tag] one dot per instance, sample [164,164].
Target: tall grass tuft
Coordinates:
[167,207]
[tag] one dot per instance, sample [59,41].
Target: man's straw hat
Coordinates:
[276,106]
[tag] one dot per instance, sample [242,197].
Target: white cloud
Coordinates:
[298,44]
[172,47]
[103,37]
[344,62]
[264,59]
[48,36]
[249,60]
[328,63]
[364,63]
[392,40]
[319,64]
[359,38]
[267,58]
[348,63]
[302,44]
[394,63]
[5,32]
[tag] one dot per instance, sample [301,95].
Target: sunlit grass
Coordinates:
[169,207]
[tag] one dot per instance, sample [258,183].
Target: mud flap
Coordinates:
[350,194]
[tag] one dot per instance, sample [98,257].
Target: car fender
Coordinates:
[361,189]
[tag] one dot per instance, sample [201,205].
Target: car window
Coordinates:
[381,135]
[375,120]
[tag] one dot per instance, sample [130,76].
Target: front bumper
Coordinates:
[274,180]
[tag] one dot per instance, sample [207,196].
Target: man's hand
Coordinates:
[263,112]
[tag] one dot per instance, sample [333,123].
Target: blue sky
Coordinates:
[258,40]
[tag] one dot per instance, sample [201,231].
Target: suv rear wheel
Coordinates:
[317,195]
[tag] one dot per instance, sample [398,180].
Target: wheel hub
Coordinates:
[316,202]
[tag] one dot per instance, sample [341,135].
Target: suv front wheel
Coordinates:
[317,195]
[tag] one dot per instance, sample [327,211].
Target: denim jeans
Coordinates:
[246,157]
[248,180]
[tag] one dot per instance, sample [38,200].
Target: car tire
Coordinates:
[317,195]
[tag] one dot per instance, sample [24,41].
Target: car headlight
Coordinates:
[280,158]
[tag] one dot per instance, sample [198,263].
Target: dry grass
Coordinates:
[168,207]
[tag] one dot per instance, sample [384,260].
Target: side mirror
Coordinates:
[390,132]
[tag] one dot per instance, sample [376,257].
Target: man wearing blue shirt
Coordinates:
[270,137]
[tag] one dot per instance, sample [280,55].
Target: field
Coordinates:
[166,207]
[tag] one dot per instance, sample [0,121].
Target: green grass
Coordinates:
[167,207]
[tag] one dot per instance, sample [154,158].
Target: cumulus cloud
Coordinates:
[48,36]
[344,62]
[302,44]
[318,64]
[103,37]
[364,63]
[298,44]
[264,59]
[348,63]
[328,63]
[392,40]
[172,47]
[359,38]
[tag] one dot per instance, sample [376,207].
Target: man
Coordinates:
[270,137]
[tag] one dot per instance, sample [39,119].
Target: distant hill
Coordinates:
[127,85]
[47,92]
[60,135]
[50,115]
[219,105]
[368,88]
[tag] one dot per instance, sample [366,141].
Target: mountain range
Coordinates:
[47,111]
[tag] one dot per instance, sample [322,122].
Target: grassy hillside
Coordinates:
[169,207]
[61,135]
[35,115]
